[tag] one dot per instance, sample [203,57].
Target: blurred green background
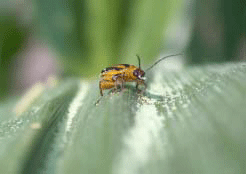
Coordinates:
[81,37]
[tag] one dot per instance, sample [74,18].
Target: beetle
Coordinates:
[116,76]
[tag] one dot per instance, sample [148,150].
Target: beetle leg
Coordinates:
[122,84]
[141,83]
[105,84]
[101,91]
[145,86]
[138,83]
[118,81]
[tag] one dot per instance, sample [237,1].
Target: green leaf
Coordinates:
[91,34]
[187,121]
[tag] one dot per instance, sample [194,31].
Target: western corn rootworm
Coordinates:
[116,76]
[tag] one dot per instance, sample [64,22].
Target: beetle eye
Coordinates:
[135,73]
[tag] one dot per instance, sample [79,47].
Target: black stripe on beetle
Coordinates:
[126,65]
[111,68]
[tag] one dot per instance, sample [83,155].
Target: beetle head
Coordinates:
[139,74]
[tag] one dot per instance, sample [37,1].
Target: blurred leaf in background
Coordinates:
[12,36]
[219,32]
[79,37]
[93,34]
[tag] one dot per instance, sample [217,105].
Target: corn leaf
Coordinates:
[187,121]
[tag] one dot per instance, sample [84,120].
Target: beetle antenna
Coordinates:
[161,60]
[138,61]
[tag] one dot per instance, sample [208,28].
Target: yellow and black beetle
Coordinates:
[116,76]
